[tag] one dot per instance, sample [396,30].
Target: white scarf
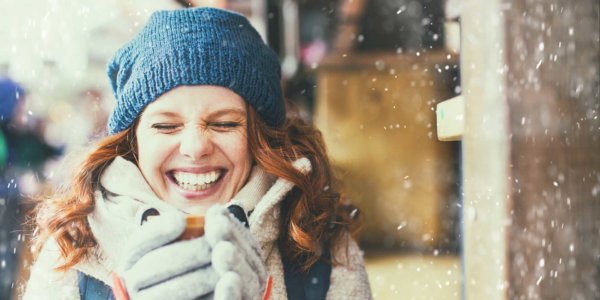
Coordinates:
[118,212]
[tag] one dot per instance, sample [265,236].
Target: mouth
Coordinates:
[196,182]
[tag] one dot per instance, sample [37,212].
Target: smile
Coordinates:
[196,182]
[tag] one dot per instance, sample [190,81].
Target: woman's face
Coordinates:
[193,146]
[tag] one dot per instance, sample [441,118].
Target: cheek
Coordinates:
[241,152]
[152,152]
[237,152]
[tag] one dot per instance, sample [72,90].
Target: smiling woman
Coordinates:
[200,128]
[193,146]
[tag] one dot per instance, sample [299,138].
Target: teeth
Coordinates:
[196,182]
[194,187]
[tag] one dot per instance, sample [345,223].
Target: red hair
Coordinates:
[64,217]
[312,215]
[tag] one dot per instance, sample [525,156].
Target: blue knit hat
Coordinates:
[195,46]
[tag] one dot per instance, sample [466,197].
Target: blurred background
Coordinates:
[467,133]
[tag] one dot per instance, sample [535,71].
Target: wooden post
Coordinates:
[532,149]
[485,151]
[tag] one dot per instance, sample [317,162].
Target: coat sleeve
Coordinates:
[46,283]
[349,280]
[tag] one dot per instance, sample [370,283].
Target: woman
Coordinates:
[199,128]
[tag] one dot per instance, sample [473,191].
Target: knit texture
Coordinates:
[196,46]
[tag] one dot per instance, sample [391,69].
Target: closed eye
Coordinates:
[165,127]
[224,125]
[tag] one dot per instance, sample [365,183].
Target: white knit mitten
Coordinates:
[156,267]
[235,257]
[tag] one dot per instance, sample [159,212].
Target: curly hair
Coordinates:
[64,216]
[313,214]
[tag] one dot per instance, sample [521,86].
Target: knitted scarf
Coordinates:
[119,208]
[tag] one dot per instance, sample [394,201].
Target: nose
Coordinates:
[195,144]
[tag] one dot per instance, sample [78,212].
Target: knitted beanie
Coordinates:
[195,46]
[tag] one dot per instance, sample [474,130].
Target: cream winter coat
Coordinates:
[118,211]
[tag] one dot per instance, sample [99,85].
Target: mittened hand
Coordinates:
[235,257]
[153,267]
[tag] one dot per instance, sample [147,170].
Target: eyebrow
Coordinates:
[227,111]
[217,113]
[163,113]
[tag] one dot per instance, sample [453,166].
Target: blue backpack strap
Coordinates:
[307,286]
[91,288]
[316,284]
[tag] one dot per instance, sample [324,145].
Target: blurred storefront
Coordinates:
[369,74]
[370,86]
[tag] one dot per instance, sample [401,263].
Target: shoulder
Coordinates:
[349,277]
[47,283]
